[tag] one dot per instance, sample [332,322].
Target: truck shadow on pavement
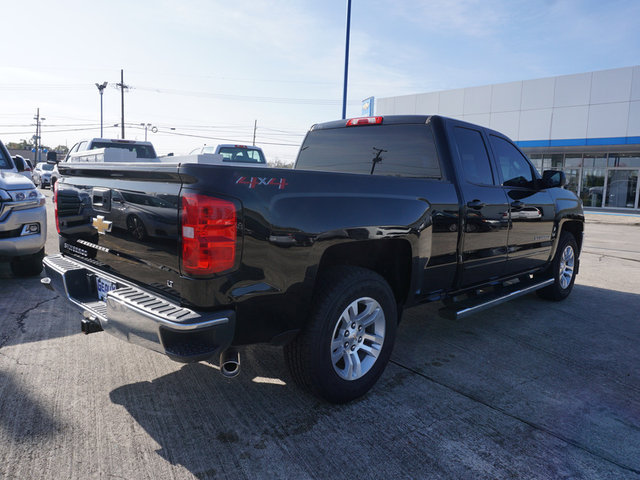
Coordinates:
[514,383]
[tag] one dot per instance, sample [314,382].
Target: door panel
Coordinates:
[531,211]
[532,215]
[484,251]
[485,210]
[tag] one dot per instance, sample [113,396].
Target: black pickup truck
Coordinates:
[379,214]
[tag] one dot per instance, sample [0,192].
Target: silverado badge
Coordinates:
[103,226]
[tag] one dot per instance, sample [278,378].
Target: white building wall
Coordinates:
[589,105]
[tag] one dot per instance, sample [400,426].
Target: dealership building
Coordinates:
[587,125]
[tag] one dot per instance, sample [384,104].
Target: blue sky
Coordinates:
[208,69]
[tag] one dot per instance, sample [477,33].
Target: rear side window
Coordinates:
[474,157]
[394,150]
[516,170]
[240,154]
[142,151]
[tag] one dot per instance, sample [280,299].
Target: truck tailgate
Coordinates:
[124,221]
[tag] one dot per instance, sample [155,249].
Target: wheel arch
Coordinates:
[390,258]
[575,228]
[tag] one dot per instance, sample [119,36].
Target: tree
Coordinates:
[277,163]
[62,149]
[21,145]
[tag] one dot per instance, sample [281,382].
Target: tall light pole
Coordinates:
[346,61]
[101,87]
[146,126]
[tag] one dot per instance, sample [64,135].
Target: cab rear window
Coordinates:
[406,150]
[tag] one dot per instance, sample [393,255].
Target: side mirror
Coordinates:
[20,163]
[52,157]
[553,179]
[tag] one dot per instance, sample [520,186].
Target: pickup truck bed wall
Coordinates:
[433,206]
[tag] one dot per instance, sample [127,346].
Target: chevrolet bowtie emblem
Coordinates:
[103,226]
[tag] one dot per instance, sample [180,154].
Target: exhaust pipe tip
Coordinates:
[230,363]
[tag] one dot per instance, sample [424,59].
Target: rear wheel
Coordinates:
[563,269]
[349,337]
[27,265]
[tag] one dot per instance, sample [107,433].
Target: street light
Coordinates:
[346,61]
[146,126]
[101,87]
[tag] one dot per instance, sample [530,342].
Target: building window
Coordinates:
[595,161]
[592,186]
[624,160]
[621,188]
[572,160]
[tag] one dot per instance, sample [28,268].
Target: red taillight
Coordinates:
[55,205]
[209,235]
[352,122]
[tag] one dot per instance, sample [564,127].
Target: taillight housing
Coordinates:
[209,235]
[55,205]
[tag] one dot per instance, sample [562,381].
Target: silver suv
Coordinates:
[23,219]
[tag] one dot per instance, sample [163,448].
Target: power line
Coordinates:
[226,139]
[248,98]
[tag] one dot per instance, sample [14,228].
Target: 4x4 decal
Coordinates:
[254,182]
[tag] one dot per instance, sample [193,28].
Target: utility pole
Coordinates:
[346,61]
[255,125]
[37,135]
[101,87]
[122,86]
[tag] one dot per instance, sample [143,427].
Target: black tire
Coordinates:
[320,357]
[27,265]
[563,269]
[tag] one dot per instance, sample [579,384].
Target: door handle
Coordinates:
[517,204]
[476,204]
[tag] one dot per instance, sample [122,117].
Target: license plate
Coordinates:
[104,287]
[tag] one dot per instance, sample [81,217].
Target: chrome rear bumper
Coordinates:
[139,316]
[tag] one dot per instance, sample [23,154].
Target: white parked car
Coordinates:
[42,174]
[235,153]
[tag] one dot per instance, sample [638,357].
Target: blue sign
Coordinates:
[367,107]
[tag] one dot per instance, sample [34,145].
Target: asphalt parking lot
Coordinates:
[529,389]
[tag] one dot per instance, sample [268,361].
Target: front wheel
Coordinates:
[349,337]
[563,268]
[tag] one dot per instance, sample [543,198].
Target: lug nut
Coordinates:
[346,344]
[346,333]
[353,325]
[360,339]
[360,328]
[353,347]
